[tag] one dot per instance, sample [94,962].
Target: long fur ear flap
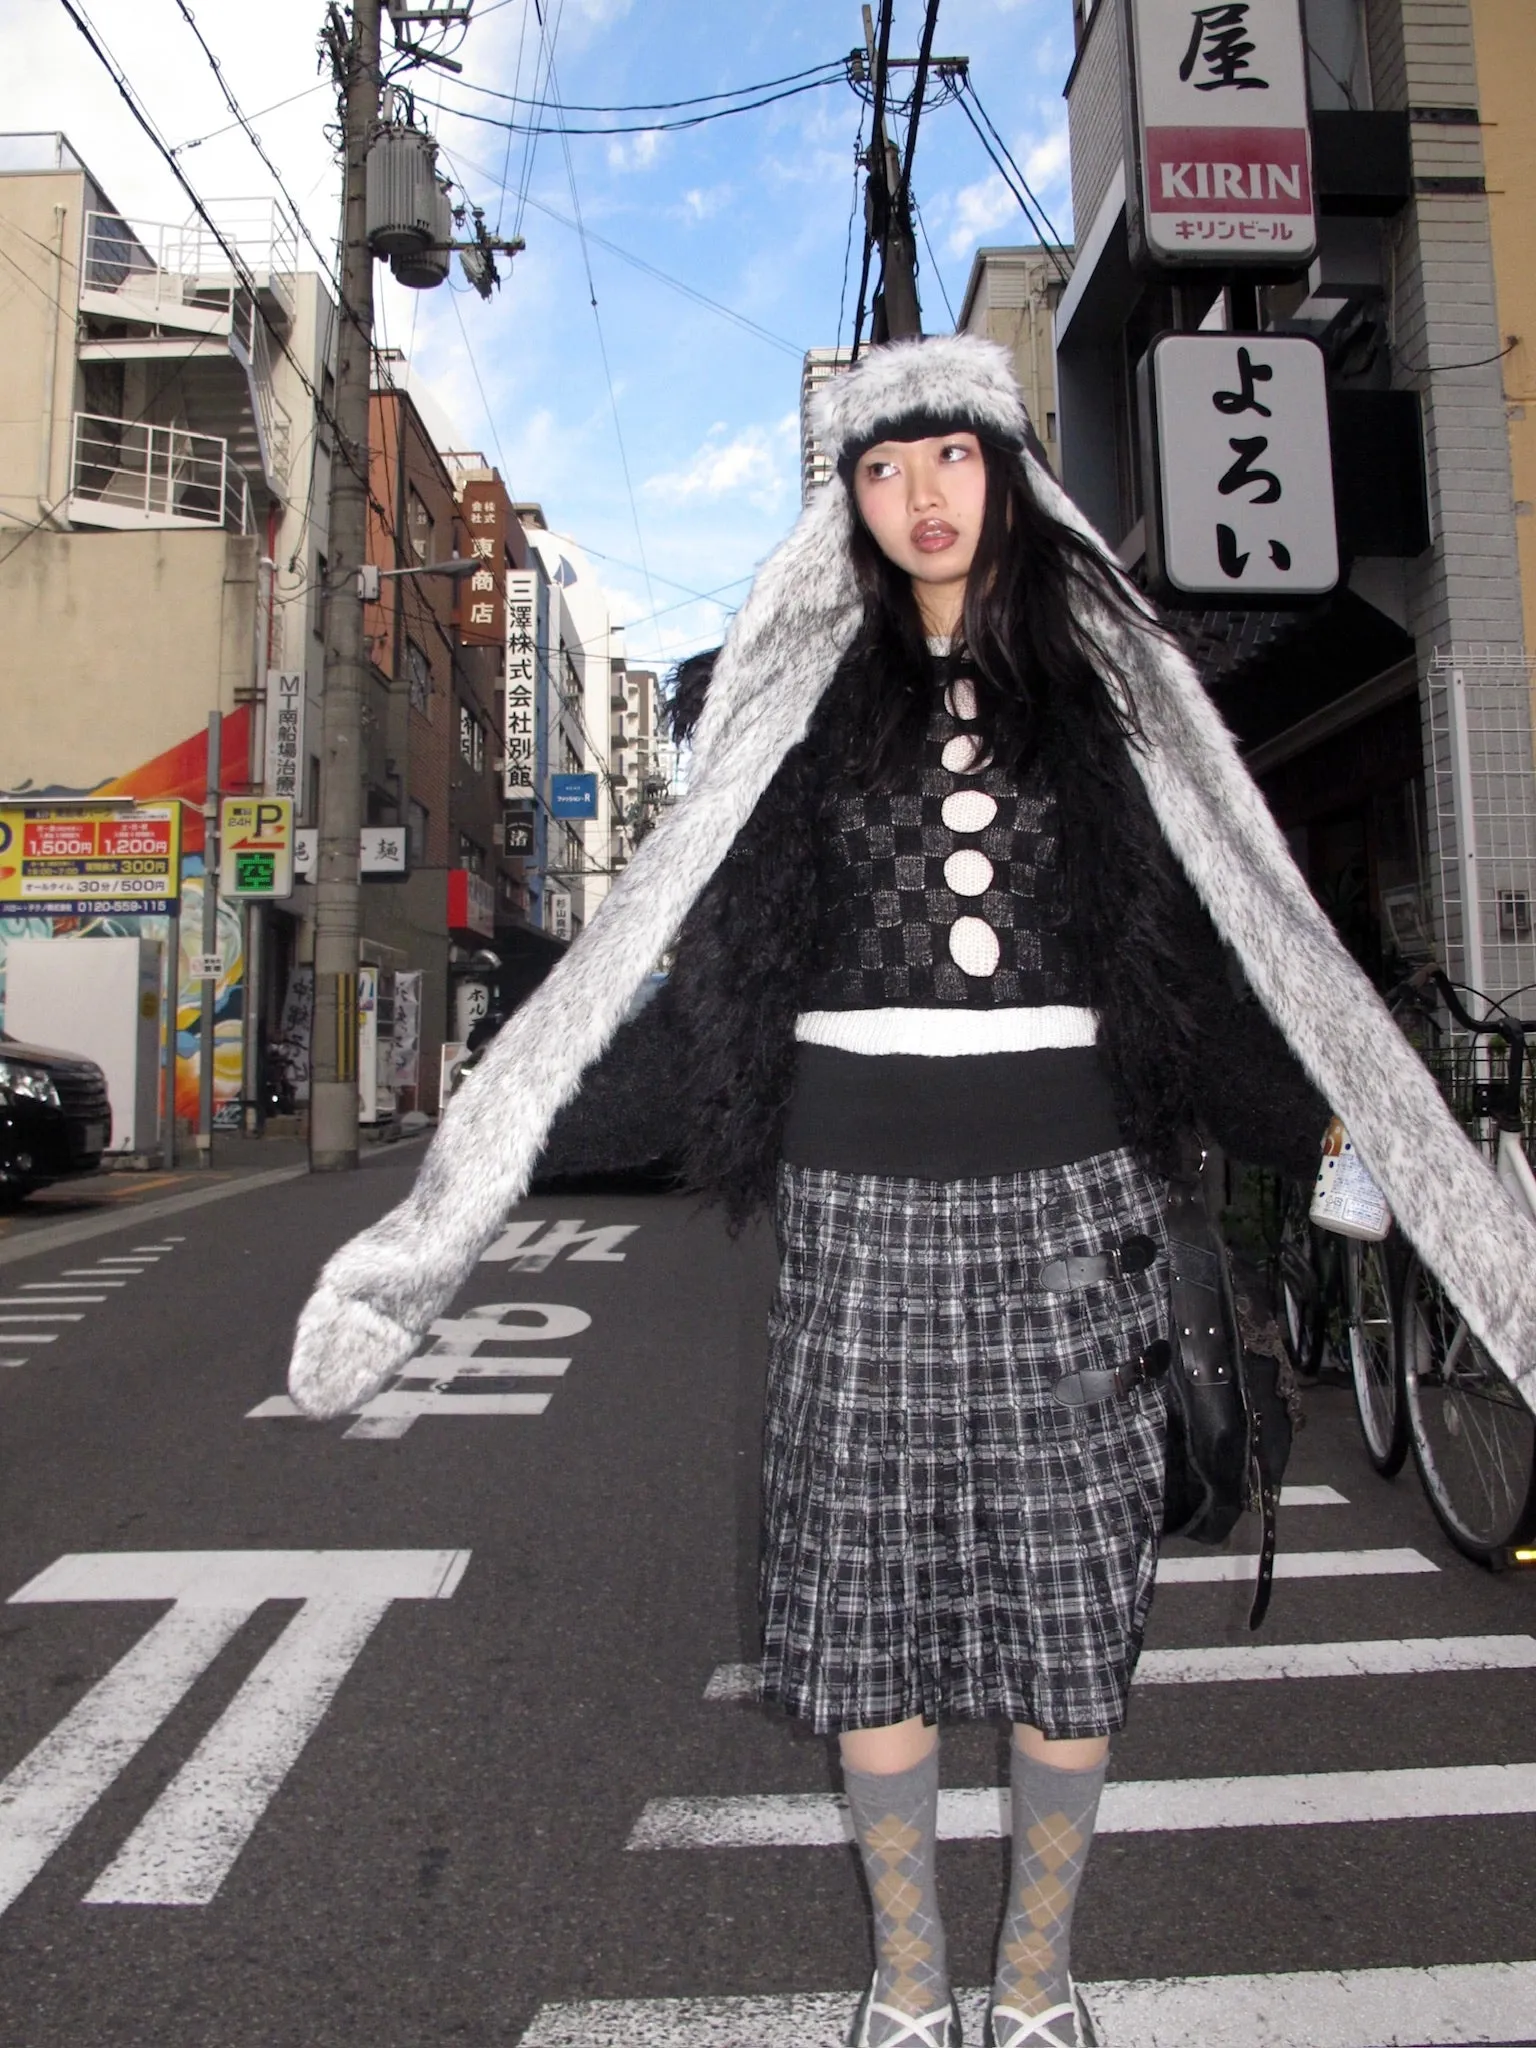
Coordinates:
[1450,1204]
[381,1291]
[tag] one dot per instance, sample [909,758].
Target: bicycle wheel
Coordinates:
[1301,1287]
[1373,1357]
[1474,1439]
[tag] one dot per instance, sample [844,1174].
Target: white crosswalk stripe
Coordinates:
[1429,2007]
[1452,2006]
[39,1302]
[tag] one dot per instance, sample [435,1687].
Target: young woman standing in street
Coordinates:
[947,885]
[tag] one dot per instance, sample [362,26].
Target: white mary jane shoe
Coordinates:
[1040,2029]
[937,2029]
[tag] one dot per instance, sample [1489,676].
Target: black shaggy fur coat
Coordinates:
[703,1075]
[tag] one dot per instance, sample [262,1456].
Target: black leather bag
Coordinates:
[1230,1414]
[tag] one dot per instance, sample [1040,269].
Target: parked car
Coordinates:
[55,1119]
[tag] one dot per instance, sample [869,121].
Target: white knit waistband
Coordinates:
[948,1034]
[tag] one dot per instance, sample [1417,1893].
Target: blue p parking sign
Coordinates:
[573,796]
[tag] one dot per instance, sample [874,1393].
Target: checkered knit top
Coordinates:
[947,894]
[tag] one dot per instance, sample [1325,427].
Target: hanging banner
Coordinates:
[1223,150]
[283,774]
[1239,484]
[482,600]
[519,727]
[91,861]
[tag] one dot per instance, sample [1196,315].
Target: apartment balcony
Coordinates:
[149,291]
[129,475]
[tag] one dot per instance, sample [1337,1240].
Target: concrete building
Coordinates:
[164,473]
[576,668]
[641,777]
[1505,36]
[1011,296]
[1389,725]
[819,367]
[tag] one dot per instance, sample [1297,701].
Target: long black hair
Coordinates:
[1023,637]
[1047,691]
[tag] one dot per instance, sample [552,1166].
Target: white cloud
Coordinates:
[635,152]
[703,202]
[978,209]
[749,465]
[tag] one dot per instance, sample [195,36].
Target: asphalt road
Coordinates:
[432,1725]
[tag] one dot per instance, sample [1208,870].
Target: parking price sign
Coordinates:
[256,846]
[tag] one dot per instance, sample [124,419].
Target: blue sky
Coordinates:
[752,212]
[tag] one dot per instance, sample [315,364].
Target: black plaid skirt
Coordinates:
[940,1536]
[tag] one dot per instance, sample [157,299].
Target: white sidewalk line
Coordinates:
[1450,2006]
[818,1820]
[52,1237]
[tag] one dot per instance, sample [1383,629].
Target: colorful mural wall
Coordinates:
[179,773]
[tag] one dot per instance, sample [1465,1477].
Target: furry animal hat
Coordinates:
[378,1294]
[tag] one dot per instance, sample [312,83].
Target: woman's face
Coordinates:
[923,501]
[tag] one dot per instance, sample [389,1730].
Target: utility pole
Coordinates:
[896,313]
[333,1042]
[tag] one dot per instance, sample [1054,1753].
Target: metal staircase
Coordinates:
[151,293]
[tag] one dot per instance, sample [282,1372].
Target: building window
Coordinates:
[418,672]
[418,522]
[416,833]
[471,739]
[1050,426]
[471,856]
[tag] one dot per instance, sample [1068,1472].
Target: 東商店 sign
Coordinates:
[1222,148]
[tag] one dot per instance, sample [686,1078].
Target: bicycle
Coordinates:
[1473,1438]
[1338,1296]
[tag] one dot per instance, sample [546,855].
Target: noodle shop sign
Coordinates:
[1222,147]
[89,861]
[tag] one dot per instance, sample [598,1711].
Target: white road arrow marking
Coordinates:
[184,1848]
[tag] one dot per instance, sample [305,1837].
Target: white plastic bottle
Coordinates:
[1345,1198]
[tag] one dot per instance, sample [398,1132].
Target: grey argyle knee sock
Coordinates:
[1053,1818]
[895,1819]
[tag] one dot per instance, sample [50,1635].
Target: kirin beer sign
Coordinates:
[1221,145]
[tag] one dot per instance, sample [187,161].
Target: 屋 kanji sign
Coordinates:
[1223,155]
[1238,479]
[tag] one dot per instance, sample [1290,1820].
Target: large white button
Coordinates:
[964,754]
[968,810]
[961,698]
[968,872]
[974,947]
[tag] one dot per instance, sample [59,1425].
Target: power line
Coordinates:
[241,269]
[241,121]
[1017,184]
[197,141]
[933,261]
[637,127]
[602,349]
[814,71]
[688,291]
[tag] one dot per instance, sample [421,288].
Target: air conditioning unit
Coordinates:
[426,264]
[404,198]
